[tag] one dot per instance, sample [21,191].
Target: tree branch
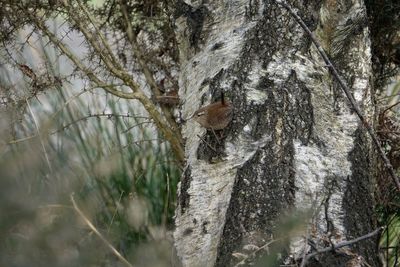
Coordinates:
[170,133]
[171,124]
[107,115]
[343,244]
[107,58]
[146,71]
[88,72]
[346,90]
[101,35]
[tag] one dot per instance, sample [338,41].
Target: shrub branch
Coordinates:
[170,133]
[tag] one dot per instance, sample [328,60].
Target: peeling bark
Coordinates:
[294,142]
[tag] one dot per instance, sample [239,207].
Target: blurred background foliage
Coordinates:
[60,138]
[92,144]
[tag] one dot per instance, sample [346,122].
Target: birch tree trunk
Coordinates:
[294,142]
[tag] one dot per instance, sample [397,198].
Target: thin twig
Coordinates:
[344,244]
[141,141]
[82,119]
[390,107]
[210,146]
[304,261]
[134,126]
[253,254]
[115,212]
[94,229]
[105,43]
[346,90]
[108,115]
[147,72]
[15,141]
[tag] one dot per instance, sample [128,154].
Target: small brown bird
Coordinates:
[215,116]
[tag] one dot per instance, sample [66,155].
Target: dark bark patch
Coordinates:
[182,9]
[217,46]
[334,259]
[301,109]
[204,227]
[187,231]
[252,9]
[184,197]
[212,146]
[262,192]
[358,200]
[195,20]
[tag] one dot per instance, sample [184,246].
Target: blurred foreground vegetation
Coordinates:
[65,138]
[121,174]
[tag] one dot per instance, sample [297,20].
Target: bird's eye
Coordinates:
[200,114]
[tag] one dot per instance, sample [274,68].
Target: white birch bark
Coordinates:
[294,142]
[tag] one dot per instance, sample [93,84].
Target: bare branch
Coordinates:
[120,73]
[171,133]
[146,71]
[88,72]
[108,115]
[96,26]
[107,58]
[343,244]
[254,253]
